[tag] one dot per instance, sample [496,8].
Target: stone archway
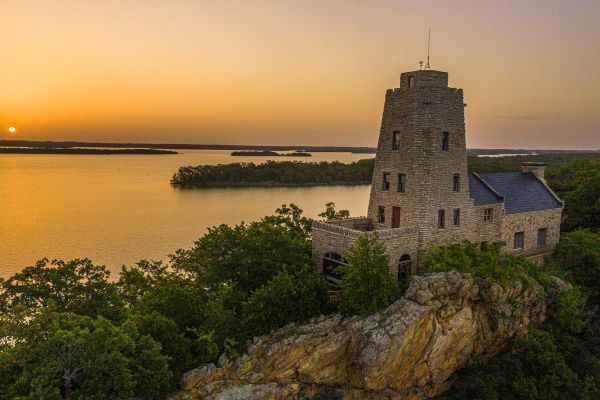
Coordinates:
[331,261]
[404,269]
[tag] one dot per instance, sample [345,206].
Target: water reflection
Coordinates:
[119,209]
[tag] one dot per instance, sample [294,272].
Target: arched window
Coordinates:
[404,268]
[331,262]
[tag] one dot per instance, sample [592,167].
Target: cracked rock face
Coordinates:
[444,322]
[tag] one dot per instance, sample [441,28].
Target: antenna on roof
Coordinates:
[428,45]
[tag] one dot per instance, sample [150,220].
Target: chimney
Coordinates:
[535,168]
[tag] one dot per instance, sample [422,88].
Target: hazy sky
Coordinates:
[294,72]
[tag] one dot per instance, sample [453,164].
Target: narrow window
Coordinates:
[519,241]
[488,215]
[381,215]
[456,182]
[395,217]
[541,240]
[456,217]
[410,81]
[441,219]
[386,181]
[396,140]
[401,183]
[484,245]
[445,141]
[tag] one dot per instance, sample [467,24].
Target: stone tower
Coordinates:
[420,178]
[422,195]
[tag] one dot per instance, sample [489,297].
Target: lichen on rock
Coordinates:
[443,322]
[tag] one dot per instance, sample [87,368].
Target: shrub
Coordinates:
[366,283]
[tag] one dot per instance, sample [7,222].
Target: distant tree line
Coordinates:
[273,173]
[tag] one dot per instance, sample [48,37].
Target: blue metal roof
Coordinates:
[522,191]
[482,193]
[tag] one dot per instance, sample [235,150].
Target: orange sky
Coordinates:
[294,72]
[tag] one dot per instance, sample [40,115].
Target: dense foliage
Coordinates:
[367,285]
[559,359]
[68,331]
[63,355]
[489,262]
[578,184]
[272,173]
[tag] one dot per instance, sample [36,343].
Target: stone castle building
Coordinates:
[422,194]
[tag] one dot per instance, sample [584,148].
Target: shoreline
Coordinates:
[78,151]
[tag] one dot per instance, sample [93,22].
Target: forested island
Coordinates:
[76,150]
[274,173]
[288,173]
[268,153]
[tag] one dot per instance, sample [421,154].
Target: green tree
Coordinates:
[150,287]
[288,297]
[76,286]
[67,356]
[247,256]
[367,285]
[331,213]
[582,203]
[291,218]
[577,257]
[180,349]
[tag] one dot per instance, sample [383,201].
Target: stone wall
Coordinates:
[488,231]
[327,237]
[529,223]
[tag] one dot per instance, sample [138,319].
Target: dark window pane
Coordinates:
[401,183]
[445,141]
[381,214]
[395,140]
[456,182]
[441,219]
[541,240]
[488,215]
[386,181]
[395,217]
[456,217]
[519,240]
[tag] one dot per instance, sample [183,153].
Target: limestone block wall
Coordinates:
[398,242]
[488,231]
[530,222]
[324,242]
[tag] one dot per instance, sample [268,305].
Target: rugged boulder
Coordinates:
[444,322]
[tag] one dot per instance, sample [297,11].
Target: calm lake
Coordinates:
[118,209]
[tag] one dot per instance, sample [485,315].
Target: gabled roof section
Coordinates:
[481,192]
[522,192]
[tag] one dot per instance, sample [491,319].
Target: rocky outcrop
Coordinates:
[443,322]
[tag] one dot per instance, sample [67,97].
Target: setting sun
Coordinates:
[12,129]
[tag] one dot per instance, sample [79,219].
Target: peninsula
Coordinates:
[79,151]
